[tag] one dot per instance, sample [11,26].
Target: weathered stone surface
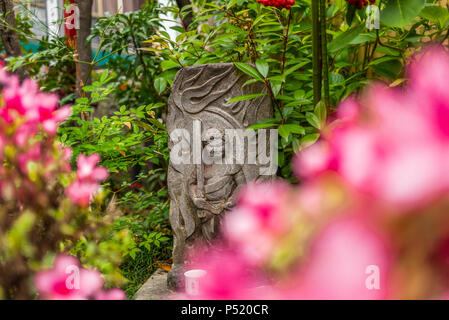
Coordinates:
[201,193]
[155,288]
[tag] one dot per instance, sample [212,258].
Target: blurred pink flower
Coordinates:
[311,198]
[68,281]
[347,260]
[3,76]
[25,101]
[313,160]
[387,152]
[113,294]
[67,153]
[253,226]
[12,99]
[429,87]
[50,123]
[264,200]
[2,146]
[24,133]
[88,170]
[81,192]
[348,110]
[228,277]
[31,154]
[395,146]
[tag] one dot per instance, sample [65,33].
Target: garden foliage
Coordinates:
[116,125]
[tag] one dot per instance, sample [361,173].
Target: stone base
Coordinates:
[155,288]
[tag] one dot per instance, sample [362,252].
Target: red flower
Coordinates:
[360,3]
[280,4]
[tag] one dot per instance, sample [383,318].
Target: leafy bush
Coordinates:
[268,40]
[44,206]
[278,42]
[122,34]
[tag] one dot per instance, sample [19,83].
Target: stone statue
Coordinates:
[201,191]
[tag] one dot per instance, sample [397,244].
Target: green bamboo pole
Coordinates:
[324,57]
[316,52]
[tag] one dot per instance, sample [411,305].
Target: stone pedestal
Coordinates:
[201,187]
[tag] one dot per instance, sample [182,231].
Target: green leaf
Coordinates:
[89,88]
[82,101]
[400,13]
[157,123]
[250,81]
[296,128]
[436,14]
[350,13]
[296,145]
[169,64]
[160,84]
[246,97]
[345,38]
[286,129]
[283,132]
[320,112]
[231,3]
[205,28]
[262,67]
[104,76]
[265,123]
[248,70]
[146,126]
[308,140]
[294,68]
[389,69]
[313,120]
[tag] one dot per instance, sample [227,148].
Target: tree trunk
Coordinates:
[188,19]
[324,58]
[316,51]
[9,36]
[84,49]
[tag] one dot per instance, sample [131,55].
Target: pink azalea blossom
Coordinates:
[385,153]
[348,110]
[68,281]
[50,123]
[113,294]
[228,277]
[258,220]
[32,154]
[24,133]
[2,146]
[264,200]
[313,160]
[394,146]
[12,99]
[88,170]
[81,192]
[429,86]
[347,260]
[25,101]
[67,153]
